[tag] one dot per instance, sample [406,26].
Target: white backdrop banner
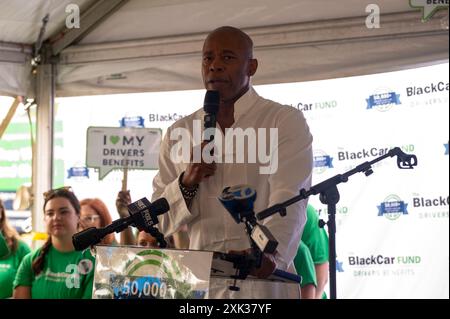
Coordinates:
[392,226]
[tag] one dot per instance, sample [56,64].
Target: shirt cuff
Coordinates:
[179,214]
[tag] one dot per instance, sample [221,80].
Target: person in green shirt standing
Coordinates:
[4,249]
[316,239]
[304,265]
[56,270]
[12,251]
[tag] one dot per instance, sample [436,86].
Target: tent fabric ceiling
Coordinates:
[14,79]
[20,24]
[155,45]
[21,20]
[161,18]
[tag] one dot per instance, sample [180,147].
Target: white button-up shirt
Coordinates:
[209,225]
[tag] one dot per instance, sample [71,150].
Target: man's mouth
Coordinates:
[216,81]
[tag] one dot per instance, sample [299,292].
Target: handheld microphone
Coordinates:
[143,215]
[238,201]
[211,107]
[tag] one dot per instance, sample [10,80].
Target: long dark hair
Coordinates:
[65,192]
[10,234]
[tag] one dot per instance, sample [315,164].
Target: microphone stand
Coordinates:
[244,263]
[157,235]
[329,195]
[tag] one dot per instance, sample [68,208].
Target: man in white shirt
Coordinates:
[192,187]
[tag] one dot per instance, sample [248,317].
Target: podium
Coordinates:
[130,272]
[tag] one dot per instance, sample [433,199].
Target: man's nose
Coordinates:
[216,65]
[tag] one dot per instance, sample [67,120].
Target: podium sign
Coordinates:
[127,272]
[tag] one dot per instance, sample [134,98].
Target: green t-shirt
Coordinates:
[66,275]
[315,237]
[8,268]
[4,249]
[305,266]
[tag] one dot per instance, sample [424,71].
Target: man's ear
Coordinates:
[252,66]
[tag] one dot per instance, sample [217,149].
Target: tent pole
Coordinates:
[43,156]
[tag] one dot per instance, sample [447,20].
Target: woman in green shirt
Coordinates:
[56,270]
[12,251]
[316,239]
[304,265]
[4,249]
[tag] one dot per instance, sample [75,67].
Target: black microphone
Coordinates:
[143,215]
[211,107]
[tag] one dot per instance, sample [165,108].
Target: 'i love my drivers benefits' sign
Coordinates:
[110,148]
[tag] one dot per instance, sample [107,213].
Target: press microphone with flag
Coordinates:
[238,201]
[211,107]
[143,215]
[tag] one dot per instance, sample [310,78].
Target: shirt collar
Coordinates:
[241,106]
[245,103]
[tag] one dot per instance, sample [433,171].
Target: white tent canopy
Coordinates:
[155,45]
